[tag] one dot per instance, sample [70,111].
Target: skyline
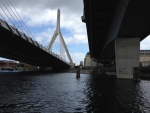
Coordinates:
[41,16]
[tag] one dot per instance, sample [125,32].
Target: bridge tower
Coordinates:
[58,33]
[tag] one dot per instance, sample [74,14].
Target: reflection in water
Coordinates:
[143,96]
[63,92]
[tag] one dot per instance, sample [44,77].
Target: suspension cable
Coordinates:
[2,16]
[20,18]
[9,13]
[16,17]
[6,15]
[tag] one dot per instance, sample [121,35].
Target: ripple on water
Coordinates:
[64,93]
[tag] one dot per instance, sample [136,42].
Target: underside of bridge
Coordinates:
[115,29]
[107,20]
[24,49]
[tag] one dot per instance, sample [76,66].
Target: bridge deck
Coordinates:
[107,20]
[17,46]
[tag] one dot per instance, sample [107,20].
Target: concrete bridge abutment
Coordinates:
[127,52]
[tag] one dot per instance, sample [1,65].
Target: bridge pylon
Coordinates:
[58,33]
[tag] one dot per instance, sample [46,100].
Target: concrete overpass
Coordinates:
[17,46]
[115,29]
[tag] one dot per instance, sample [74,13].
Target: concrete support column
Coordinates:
[127,52]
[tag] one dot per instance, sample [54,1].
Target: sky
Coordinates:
[40,16]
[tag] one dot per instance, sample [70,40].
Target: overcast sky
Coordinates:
[41,15]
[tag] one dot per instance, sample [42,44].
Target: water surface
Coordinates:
[63,93]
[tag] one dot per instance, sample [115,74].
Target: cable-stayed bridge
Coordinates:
[18,43]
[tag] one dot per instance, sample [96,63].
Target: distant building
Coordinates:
[81,63]
[88,62]
[7,64]
[145,58]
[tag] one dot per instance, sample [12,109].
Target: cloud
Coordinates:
[76,39]
[74,6]
[45,36]
[38,18]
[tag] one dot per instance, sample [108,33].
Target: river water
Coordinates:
[64,93]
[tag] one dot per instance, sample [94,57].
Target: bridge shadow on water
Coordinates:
[110,95]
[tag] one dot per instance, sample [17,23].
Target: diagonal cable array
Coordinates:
[9,14]
[58,48]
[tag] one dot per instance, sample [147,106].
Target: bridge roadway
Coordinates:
[17,46]
[108,20]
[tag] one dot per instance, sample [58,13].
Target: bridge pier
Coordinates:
[127,52]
